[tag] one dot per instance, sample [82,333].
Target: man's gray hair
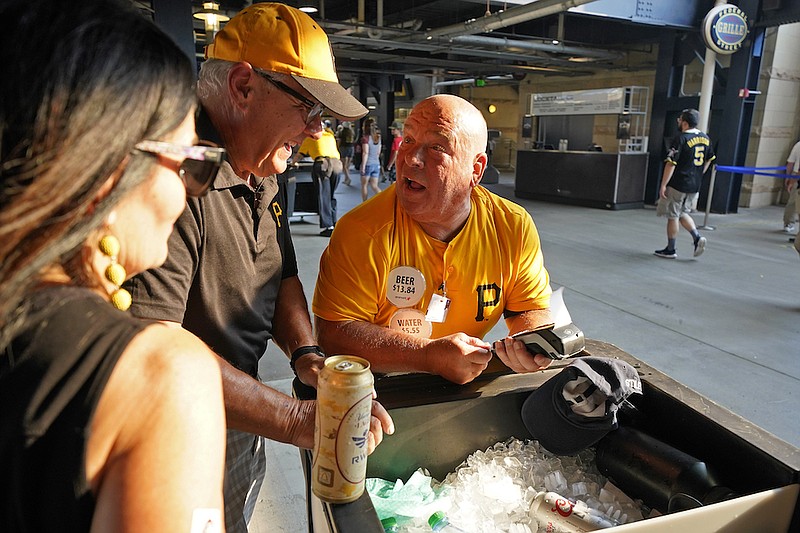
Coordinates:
[213,77]
[212,86]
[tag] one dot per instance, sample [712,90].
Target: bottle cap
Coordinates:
[435,518]
[389,523]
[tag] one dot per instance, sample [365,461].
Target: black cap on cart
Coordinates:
[578,406]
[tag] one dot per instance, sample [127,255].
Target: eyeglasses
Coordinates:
[198,168]
[314,108]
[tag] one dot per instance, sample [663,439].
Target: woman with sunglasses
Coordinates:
[107,423]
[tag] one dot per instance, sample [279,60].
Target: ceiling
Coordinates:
[498,41]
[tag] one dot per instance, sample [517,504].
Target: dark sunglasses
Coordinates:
[314,108]
[198,168]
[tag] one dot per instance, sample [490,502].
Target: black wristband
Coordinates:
[303,350]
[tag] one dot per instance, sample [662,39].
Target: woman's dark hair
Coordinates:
[80,84]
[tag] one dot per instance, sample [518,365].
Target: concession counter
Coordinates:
[301,195]
[601,136]
[592,179]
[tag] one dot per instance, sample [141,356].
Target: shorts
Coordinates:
[346,151]
[245,469]
[676,203]
[372,171]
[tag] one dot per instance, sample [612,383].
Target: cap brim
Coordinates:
[334,97]
[549,419]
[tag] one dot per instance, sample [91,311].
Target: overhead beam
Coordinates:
[447,48]
[343,55]
[509,17]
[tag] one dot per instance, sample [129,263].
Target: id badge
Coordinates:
[437,308]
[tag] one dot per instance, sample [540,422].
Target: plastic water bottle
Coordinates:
[561,515]
[439,522]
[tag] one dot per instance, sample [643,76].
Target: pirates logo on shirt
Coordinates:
[488,296]
[277,211]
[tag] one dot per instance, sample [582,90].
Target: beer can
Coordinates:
[556,514]
[344,407]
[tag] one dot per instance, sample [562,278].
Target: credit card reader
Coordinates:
[554,342]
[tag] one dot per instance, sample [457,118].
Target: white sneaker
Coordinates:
[699,246]
[788,228]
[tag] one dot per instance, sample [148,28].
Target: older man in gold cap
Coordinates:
[231,276]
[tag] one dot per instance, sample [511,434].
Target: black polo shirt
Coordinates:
[228,253]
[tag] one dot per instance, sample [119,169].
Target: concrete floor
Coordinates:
[726,324]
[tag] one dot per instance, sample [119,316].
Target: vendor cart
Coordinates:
[439,424]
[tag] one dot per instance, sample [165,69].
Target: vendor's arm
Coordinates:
[513,352]
[347,303]
[458,357]
[291,327]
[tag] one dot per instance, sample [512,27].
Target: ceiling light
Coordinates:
[492,108]
[211,16]
[308,9]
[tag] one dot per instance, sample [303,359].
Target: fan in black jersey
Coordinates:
[688,159]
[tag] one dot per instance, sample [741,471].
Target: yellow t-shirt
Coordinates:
[325,146]
[493,265]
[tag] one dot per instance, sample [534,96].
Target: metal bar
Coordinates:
[705,225]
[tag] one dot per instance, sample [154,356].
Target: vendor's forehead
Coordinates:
[433,119]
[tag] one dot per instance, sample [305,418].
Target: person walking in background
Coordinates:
[397,140]
[790,212]
[107,422]
[688,159]
[370,160]
[363,135]
[325,173]
[346,141]
[232,276]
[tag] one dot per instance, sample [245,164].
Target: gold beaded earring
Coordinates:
[115,273]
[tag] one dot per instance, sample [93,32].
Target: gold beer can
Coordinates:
[344,407]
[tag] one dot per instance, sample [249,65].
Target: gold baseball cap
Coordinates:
[279,38]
